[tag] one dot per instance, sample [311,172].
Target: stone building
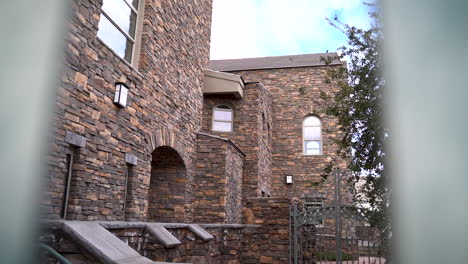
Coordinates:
[146,130]
[297,135]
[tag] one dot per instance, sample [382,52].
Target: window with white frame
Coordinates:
[118,26]
[312,135]
[222,118]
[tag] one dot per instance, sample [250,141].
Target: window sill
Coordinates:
[120,58]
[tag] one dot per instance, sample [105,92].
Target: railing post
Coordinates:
[68,179]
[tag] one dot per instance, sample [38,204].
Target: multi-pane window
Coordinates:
[118,25]
[222,118]
[312,136]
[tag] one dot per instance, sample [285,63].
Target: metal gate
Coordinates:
[333,234]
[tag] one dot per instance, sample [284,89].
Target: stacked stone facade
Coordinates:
[219,167]
[252,122]
[164,105]
[231,244]
[272,214]
[295,93]
[159,160]
[168,192]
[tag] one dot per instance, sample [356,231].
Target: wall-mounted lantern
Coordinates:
[121,92]
[289,179]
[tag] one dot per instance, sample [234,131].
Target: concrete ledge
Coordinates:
[223,139]
[75,139]
[157,229]
[232,226]
[102,244]
[171,263]
[131,159]
[121,224]
[165,237]
[200,232]
[97,240]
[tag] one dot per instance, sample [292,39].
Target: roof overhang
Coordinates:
[277,62]
[223,83]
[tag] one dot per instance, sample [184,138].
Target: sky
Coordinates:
[260,28]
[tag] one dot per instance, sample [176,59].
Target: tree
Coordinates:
[358,106]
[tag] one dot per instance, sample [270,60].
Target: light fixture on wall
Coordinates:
[121,93]
[289,179]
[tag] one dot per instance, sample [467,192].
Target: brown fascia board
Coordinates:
[275,62]
[225,76]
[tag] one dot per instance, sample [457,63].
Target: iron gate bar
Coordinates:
[310,243]
[338,224]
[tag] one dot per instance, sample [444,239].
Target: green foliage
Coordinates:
[358,105]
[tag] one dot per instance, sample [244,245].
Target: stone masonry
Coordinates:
[164,105]
[158,160]
[167,195]
[272,245]
[218,195]
[230,244]
[252,123]
[296,95]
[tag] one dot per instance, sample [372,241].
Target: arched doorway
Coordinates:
[167,186]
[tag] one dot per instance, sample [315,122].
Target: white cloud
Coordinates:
[234,30]
[255,28]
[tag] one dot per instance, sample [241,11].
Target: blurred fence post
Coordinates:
[426,69]
[31,49]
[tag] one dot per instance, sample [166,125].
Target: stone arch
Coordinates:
[307,110]
[163,138]
[229,102]
[167,190]
[166,137]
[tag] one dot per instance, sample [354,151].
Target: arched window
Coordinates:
[312,136]
[222,118]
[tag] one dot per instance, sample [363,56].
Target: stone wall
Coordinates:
[234,242]
[272,243]
[167,198]
[264,239]
[164,108]
[218,196]
[265,142]
[192,250]
[251,133]
[295,95]
[230,245]
[62,243]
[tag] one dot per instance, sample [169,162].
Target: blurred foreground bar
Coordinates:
[32,35]
[426,51]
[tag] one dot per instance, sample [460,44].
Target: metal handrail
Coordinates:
[55,253]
